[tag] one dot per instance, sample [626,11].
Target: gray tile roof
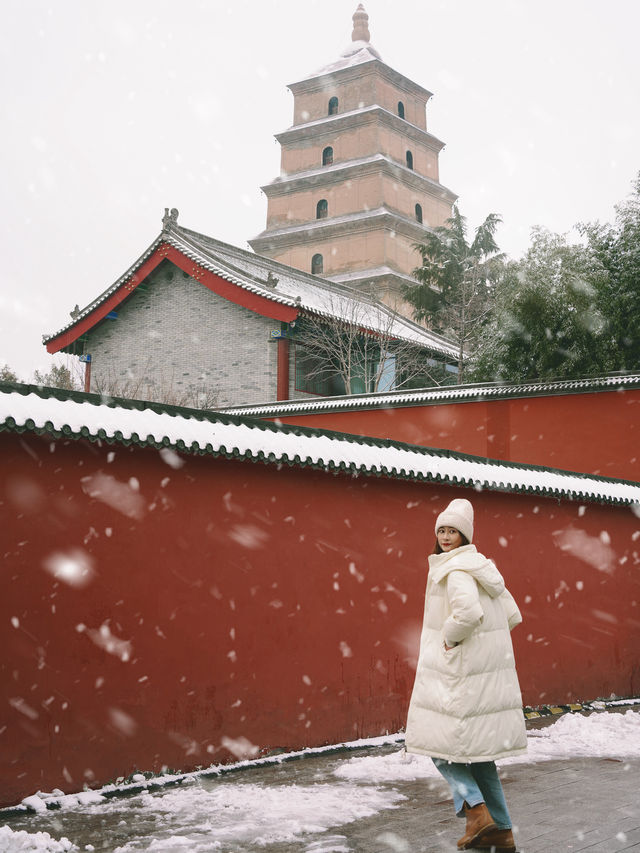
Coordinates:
[294,288]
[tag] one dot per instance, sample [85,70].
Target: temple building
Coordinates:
[194,321]
[359,181]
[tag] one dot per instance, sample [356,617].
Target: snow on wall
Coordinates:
[449,393]
[288,445]
[163,606]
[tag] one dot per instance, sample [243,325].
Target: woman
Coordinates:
[466,707]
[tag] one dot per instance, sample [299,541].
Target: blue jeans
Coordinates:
[476,783]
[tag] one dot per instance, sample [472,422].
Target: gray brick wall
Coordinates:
[176,340]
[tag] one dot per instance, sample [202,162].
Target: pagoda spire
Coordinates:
[360,25]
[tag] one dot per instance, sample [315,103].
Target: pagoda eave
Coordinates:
[355,119]
[319,82]
[338,173]
[326,229]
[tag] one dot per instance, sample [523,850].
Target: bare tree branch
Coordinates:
[356,341]
[162,389]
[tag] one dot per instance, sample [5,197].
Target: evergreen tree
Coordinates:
[455,281]
[566,311]
[616,248]
[546,322]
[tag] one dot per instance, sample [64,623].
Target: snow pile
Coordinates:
[395,767]
[41,800]
[603,735]
[222,812]
[207,819]
[42,842]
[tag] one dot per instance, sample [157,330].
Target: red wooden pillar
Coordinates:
[87,376]
[283,369]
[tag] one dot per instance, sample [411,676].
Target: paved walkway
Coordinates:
[578,805]
[581,804]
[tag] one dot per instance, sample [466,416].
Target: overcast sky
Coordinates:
[114,111]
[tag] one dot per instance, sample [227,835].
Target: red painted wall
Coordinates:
[234,600]
[597,433]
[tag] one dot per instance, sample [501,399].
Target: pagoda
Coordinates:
[359,182]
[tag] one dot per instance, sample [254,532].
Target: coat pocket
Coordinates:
[451,659]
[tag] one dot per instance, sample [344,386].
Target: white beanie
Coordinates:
[458,514]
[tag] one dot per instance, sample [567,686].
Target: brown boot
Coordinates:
[497,841]
[479,821]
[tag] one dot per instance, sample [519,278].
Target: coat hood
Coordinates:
[467,559]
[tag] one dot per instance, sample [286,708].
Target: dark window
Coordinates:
[419,212]
[400,109]
[409,160]
[333,106]
[315,376]
[327,156]
[317,265]
[322,209]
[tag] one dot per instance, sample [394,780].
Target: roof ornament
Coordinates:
[360,25]
[272,280]
[170,218]
[75,312]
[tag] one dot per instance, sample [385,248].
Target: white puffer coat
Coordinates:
[466,704]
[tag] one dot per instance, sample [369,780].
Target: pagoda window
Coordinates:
[333,106]
[400,109]
[322,209]
[409,158]
[317,265]
[327,156]
[419,213]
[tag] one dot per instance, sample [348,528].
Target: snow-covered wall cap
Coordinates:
[73,415]
[435,396]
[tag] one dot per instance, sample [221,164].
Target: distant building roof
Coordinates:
[270,281]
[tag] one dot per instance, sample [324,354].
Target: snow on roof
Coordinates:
[433,396]
[341,168]
[355,53]
[358,52]
[68,414]
[309,292]
[294,288]
[371,274]
[95,303]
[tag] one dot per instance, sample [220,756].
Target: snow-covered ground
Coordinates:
[229,811]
